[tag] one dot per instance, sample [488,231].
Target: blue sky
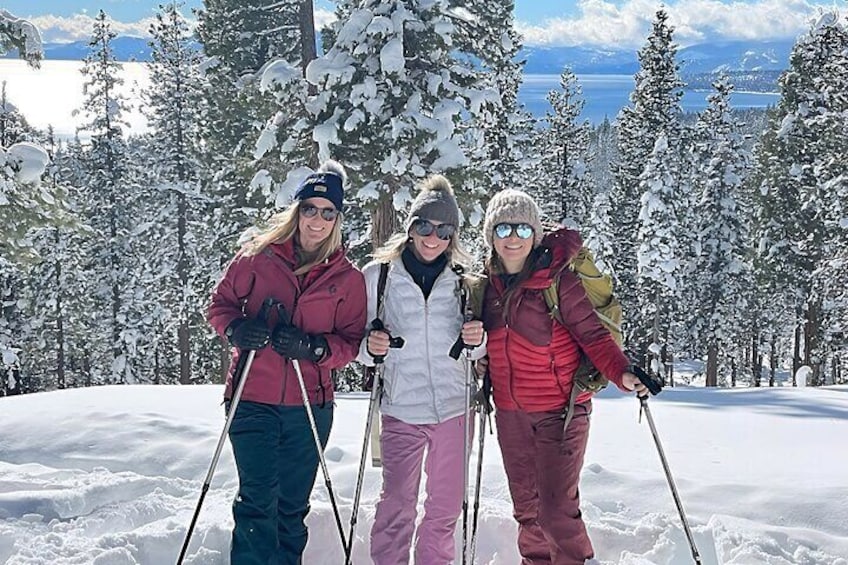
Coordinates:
[613,23]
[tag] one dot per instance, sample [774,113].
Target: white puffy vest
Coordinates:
[422,383]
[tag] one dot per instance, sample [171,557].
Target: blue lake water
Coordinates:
[605,95]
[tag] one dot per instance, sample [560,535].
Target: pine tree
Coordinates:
[390,98]
[658,255]
[721,272]
[239,38]
[178,236]
[486,40]
[50,288]
[569,191]
[799,165]
[654,111]
[109,212]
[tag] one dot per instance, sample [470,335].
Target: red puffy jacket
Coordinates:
[532,357]
[329,300]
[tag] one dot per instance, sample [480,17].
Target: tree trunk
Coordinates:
[772,359]
[733,372]
[384,222]
[308,53]
[811,330]
[224,358]
[183,332]
[796,352]
[756,358]
[60,325]
[712,366]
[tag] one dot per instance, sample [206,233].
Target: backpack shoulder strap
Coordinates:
[381,287]
[551,295]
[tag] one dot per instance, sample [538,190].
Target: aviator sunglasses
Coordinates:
[425,228]
[309,211]
[523,231]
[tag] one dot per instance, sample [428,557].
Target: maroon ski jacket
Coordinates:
[328,300]
[532,357]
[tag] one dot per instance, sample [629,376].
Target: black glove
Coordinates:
[293,343]
[248,333]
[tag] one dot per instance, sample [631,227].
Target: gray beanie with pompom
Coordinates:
[435,201]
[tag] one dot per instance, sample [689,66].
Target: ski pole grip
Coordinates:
[653,384]
[267,304]
[394,342]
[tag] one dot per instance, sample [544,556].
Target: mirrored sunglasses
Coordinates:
[425,228]
[523,231]
[309,211]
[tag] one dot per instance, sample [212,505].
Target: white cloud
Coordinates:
[626,24]
[56,29]
[324,18]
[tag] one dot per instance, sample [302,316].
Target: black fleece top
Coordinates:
[424,274]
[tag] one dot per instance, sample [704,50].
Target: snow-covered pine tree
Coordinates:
[178,235]
[654,111]
[566,189]
[828,117]
[239,37]
[13,125]
[721,272]
[795,176]
[21,35]
[487,41]
[658,267]
[50,288]
[391,95]
[109,215]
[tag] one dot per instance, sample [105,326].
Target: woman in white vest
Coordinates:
[423,402]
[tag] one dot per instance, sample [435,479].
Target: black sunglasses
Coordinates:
[523,231]
[425,228]
[309,211]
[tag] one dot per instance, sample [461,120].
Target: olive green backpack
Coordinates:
[599,289]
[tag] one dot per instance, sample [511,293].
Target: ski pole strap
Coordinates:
[569,409]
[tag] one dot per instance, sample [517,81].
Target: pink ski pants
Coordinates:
[404,446]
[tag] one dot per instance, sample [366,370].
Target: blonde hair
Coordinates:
[284,225]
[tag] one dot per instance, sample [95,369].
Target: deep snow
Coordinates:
[111,476]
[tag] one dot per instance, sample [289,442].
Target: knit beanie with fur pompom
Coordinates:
[435,201]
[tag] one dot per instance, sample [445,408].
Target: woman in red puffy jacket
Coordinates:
[532,361]
[301,264]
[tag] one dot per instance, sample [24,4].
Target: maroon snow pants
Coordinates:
[543,471]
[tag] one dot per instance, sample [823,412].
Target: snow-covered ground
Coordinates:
[49,96]
[111,476]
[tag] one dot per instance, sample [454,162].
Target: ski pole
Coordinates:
[321,459]
[469,382]
[655,386]
[240,377]
[484,413]
[286,319]
[376,390]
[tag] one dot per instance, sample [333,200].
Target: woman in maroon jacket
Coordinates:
[532,361]
[301,264]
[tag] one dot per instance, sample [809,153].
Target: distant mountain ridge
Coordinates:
[733,56]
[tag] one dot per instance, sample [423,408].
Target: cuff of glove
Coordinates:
[231,329]
[319,348]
